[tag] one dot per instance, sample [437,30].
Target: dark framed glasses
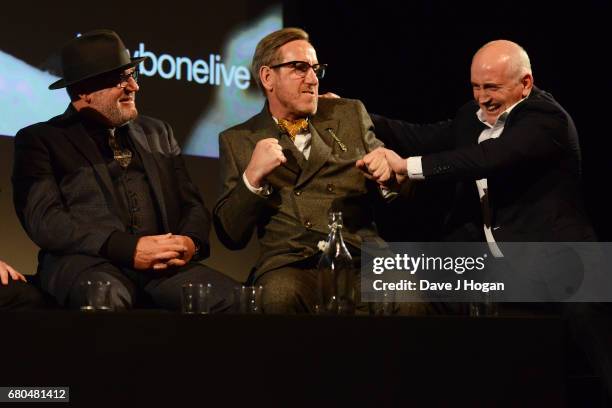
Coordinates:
[124,78]
[300,68]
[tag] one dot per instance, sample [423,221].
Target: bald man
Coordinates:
[513,152]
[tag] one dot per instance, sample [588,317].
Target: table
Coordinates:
[142,357]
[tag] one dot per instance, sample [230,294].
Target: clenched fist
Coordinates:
[375,166]
[384,166]
[267,156]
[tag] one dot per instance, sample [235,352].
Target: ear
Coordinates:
[527,82]
[266,76]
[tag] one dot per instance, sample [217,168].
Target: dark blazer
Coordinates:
[65,199]
[532,169]
[293,219]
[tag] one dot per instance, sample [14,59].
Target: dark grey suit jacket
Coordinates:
[293,219]
[65,199]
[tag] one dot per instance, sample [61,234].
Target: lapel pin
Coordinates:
[337,139]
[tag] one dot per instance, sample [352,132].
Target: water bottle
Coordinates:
[336,272]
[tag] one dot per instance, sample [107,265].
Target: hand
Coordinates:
[185,257]
[154,251]
[6,270]
[375,167]
[267,156]
[397,164]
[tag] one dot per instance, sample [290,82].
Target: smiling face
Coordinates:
[113,105]
[292,95]
[498,81]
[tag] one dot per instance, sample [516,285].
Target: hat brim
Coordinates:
[62,83]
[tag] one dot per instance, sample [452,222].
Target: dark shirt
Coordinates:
[137,205]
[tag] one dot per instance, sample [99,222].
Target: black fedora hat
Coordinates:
[93,53]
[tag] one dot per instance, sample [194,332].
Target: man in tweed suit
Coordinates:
[284,169]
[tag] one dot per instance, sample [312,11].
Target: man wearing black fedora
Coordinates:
[104,191]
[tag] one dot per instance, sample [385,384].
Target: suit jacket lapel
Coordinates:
[321,147]
[77,135]
[142,146]
[471,134]
[295,159]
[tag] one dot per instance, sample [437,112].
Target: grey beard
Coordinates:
[119,120]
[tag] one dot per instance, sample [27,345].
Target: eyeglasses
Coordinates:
[124,78]
[301,68]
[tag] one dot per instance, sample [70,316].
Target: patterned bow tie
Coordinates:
[293,127]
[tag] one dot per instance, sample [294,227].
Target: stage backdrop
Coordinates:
[197,76]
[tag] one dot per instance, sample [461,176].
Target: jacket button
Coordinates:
[297,192]
[308,224]
[330,187]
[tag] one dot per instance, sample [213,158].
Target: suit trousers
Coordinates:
[294,289]
[131,288]
[289,290]
[18,295]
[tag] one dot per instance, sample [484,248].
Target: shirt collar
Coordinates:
[501,119]
[276,120]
